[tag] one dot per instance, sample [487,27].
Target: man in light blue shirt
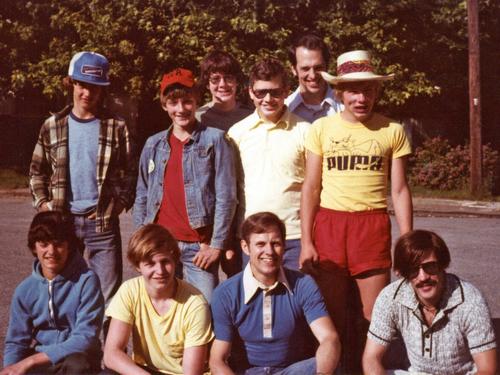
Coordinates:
[314,98]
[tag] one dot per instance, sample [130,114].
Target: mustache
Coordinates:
[426,283]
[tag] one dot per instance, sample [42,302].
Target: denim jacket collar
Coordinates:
[195,135]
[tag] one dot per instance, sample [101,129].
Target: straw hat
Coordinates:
[354,66]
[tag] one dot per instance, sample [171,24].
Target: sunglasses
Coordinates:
[275,93]
[430,268]
[214,80]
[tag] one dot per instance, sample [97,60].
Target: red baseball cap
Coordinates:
[181,76]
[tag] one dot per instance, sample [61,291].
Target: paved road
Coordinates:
[474,244]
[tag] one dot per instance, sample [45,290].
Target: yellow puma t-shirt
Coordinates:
[356,159]
[159,341]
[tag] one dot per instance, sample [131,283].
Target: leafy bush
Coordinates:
[12,179]
[438,165]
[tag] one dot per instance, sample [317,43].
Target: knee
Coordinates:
[78,363]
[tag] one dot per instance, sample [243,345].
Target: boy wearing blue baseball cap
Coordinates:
[83,165]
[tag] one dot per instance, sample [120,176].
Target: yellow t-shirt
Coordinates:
[159,341]
[356,159]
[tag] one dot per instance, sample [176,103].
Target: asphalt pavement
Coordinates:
[421,206]
[476,261]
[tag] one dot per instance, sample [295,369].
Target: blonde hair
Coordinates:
[151,239]
[340,87]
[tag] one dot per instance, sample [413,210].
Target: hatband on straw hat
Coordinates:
[354,66]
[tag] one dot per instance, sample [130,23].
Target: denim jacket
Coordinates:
[209,181]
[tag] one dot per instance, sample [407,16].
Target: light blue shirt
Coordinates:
[83,144]
[328,106]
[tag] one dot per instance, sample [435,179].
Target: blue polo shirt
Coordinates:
[295,302]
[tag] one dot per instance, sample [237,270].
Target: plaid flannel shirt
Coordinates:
[116,167]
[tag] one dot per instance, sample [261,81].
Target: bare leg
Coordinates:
[370,285]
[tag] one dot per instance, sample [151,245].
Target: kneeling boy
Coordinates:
[56,313]
[168,318]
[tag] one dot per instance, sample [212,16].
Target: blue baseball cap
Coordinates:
[89,67]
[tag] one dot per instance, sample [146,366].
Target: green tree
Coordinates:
[424,42]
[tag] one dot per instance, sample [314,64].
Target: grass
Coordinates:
[463,194]
[12,179]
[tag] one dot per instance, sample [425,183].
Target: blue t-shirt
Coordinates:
[83,144]
[292,313]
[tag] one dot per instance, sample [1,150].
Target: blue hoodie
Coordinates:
[62,316]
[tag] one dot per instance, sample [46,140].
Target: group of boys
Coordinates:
[304,203]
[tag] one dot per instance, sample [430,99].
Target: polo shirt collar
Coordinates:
[297,100]
[251,285]
[453,294]
[283,122]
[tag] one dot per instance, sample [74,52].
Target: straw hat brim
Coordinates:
[355,77]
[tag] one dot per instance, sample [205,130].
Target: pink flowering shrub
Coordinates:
[438,165]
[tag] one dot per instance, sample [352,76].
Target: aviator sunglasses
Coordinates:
[275,93]
[430,268]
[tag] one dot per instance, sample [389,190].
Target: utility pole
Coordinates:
[476,157]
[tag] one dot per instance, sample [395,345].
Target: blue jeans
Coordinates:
[305,367]
[76,363]
[290,258]
[104,253]
[204,280]
[292,254]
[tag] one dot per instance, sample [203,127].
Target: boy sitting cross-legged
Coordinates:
[168,318]
[56,313]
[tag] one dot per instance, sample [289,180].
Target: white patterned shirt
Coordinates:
[462,326]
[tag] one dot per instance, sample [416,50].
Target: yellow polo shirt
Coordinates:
[159,340]
[273,167]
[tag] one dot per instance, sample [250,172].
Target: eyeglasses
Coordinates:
[275,93]
[229,78]
[430,268]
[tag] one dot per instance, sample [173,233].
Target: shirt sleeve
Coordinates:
[128,167]
[139,212]
[121,306]
[18,338]
[223,326]
[40,169]
[198,326]
[313,138]
[382,328]
[401,146]
[313,303]
[225,193]
[478,327]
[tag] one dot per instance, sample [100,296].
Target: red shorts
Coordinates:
[353,241]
